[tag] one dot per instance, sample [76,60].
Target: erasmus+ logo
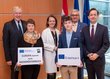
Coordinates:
[62,56]
[21,51]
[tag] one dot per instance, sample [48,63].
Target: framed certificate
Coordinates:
[69,56]
[30,55]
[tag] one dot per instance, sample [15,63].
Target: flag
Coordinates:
[76,4]
[85,12]
[65,7]
[83,7]
[64,12]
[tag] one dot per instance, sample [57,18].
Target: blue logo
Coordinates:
[61,56]
[21,51]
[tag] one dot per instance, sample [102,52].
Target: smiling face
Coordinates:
[93,16]
[30,27]
[51,22]
[17,13]
[75,16]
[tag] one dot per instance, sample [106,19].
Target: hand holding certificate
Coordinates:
[69,56]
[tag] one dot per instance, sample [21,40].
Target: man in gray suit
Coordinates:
[95,42]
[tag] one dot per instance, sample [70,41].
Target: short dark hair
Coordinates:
[92,10]
[47,25]
[67,18]
[30,21]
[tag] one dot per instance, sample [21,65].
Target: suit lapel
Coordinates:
[15,26]
[88,31]
[65,40]
[78,28]
[50,34]
[72,38]
[23,26]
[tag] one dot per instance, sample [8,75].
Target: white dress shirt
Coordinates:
[95,26]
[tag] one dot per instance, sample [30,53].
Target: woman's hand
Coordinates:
[55,48]
[18,65]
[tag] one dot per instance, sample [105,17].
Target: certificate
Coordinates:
[69,56]
[30,55]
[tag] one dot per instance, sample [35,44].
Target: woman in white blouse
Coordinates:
[50,39]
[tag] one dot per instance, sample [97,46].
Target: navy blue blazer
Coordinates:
[63,40]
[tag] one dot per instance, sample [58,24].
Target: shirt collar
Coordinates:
[95,25]
[76,24]
[17,22]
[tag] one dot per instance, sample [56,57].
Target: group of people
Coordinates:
[92,40]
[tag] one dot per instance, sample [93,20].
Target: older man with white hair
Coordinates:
[12,32]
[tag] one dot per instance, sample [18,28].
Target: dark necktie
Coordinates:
[20,30]
[92,32]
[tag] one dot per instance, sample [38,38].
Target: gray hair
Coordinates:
[74,10]
[17,8]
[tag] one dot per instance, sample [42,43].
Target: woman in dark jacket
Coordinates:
[30,39]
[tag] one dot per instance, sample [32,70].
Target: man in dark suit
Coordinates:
[95,41]
[77,27]
[12,33]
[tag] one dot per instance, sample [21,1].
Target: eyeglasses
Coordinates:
[74,15]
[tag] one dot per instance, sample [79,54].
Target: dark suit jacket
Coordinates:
[100,43]
[63,41]
[11,37]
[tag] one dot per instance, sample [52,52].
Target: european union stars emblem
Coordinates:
[61,56]
[21,51]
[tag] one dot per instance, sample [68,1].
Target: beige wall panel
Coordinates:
[4,68]
[70,5]
[3,19]
[32,6]
[4,72]
[2,57]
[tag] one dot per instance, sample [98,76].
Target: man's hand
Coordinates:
[9,63]
[94,57]
[89,55]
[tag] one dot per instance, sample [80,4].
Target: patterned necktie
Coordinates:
[20,30]
[92,32]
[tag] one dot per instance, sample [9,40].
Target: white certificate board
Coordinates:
[30,55]
[69,56]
